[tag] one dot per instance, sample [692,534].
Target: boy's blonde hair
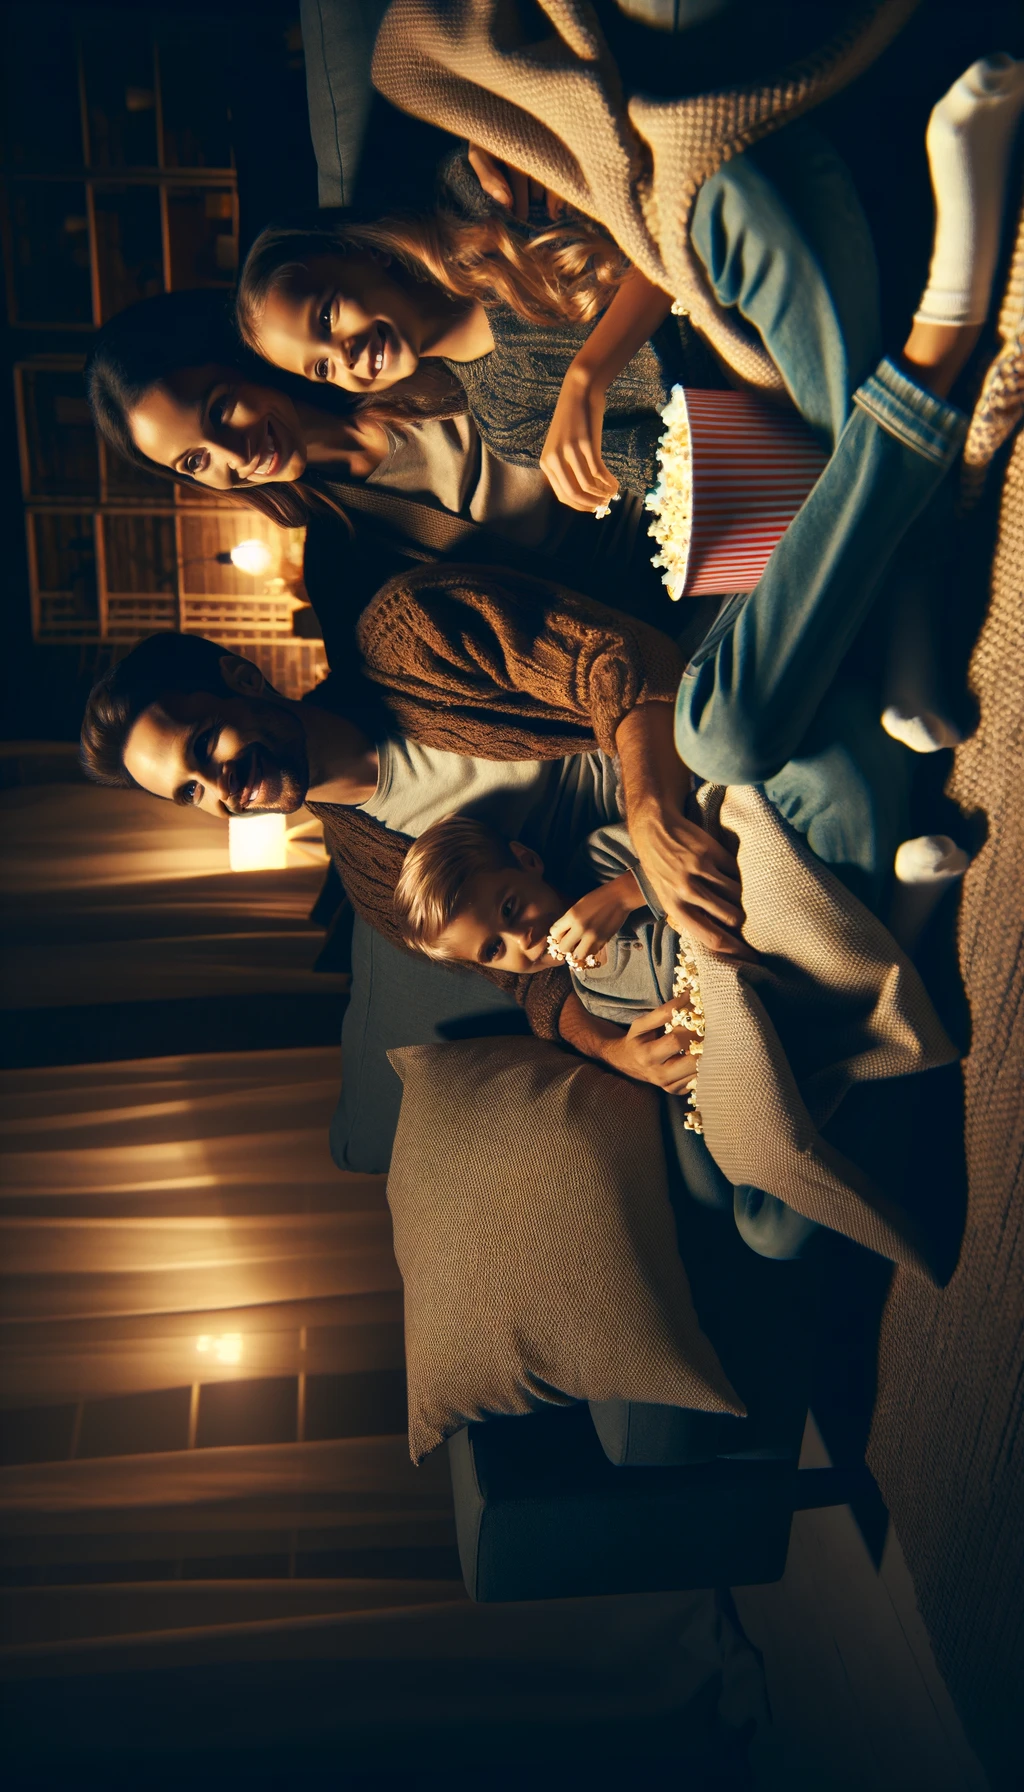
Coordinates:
[437,867]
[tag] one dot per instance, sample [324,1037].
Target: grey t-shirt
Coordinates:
[549,804]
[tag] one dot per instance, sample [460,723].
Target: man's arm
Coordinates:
[499,664]
[695,878]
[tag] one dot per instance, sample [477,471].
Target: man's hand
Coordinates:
[585,928]
[571,457]
[694,877]
[510,188]
[648,1054]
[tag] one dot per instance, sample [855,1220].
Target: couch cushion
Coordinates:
[536,1240]
[400,1000]
[540,1513]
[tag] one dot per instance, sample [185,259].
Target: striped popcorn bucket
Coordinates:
[734,473]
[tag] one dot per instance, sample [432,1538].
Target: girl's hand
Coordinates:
[571,458]
[510,188]
[585,928]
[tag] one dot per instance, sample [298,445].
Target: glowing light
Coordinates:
[251,556]
[257,843]
[225,1349]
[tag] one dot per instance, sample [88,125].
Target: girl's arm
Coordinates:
[571,457]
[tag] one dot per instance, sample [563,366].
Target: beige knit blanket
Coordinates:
[832,1002]
[554,106]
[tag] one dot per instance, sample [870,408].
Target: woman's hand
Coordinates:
[585,928]
[695,878]
[571,457]
[648,1054]
[510,188]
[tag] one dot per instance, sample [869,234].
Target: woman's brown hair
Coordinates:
[160,336]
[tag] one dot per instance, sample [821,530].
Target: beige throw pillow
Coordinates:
[536,1241]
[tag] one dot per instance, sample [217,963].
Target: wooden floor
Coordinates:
[857,1701]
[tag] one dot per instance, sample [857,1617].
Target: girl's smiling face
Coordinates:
[220,429]
[343,320]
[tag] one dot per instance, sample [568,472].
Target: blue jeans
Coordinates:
[763,1222]
[766,699]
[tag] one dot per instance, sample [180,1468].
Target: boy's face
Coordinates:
[504,918]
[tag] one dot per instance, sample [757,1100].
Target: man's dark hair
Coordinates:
[158,667]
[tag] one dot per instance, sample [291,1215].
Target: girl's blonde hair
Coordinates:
[565,273]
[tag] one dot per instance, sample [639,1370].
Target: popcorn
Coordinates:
[555,951]
[606,508]
[686,983]
[671,501]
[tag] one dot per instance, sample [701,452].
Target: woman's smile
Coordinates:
[219,430]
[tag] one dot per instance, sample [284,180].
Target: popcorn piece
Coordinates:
[686,983]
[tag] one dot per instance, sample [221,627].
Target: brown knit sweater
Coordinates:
[494,666]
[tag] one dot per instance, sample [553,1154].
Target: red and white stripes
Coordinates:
[734,473]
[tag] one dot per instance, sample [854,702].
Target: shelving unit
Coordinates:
[122,186]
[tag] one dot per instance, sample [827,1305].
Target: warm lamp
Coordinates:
[251,556]
[257,843]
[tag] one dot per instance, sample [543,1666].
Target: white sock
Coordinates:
[930,859]
[924,732]
[969,139]
[925,869]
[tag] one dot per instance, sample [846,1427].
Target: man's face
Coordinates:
[222,753]
[504,919]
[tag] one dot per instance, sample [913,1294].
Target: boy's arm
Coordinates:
[571,457]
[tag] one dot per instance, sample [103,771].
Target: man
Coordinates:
[548,715]
[473,693]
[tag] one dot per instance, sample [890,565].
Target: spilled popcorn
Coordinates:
[671,501]
[686,984]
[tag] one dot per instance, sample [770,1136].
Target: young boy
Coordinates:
[468,894]
[829,985]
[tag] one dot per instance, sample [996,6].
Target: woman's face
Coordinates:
[345,321]
[213,424]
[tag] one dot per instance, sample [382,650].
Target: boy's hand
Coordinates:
[648,1054]
[571,457]
[585,928]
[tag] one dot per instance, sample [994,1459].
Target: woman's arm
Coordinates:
[571,457]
